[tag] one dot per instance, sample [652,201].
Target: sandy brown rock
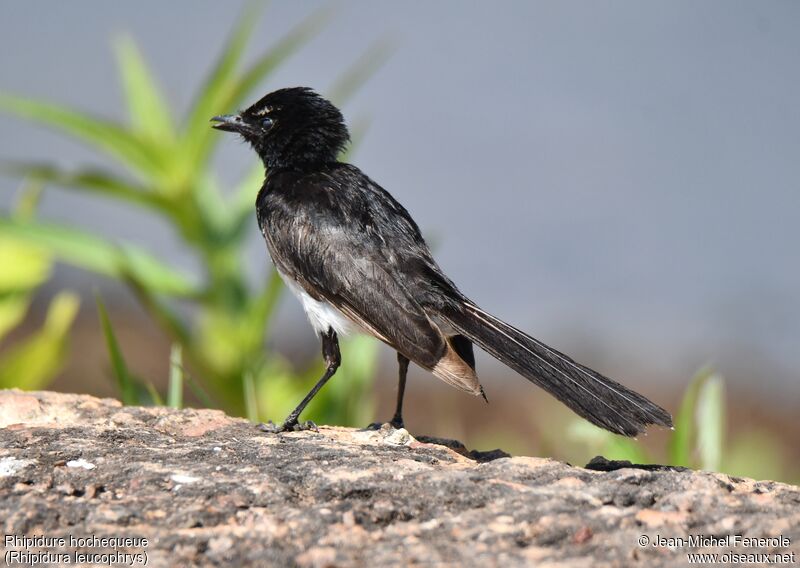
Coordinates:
[206,489]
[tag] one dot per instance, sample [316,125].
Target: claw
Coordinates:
[307,425]
[394,423]
[272,428]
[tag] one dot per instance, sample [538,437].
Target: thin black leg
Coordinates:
[330,351]
[402,361]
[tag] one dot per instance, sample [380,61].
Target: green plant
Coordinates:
[698,440]
[30,362]
[700,423]
[166,172]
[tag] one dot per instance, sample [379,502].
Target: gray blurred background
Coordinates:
[618,178]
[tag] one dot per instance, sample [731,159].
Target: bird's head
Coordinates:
[291,128]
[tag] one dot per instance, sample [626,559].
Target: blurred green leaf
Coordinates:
[34,361]
[103,135]
[682,442]
[97,254]
[90,180]
[221,342]
[710,416]
[31,265]
[26,268]
[148,111]
[13,307]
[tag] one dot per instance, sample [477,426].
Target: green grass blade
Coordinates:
[710,417]
[96,254]
[175,389]
[152,393]
[205,399]
[681,446]
[250,398]
[125,383]
[103,135]
[90,180]
[159,311]
[28,198]
[148,111]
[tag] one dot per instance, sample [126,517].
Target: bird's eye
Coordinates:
[266,123]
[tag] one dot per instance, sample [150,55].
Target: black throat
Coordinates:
[304,151]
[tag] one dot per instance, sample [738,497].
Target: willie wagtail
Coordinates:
[356,260]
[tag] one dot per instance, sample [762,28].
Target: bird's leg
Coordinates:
[402,361]
[397,420]
[330,352]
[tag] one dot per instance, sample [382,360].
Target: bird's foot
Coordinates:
[396,423]
[288,426]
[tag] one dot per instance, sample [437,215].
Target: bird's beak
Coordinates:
[229,123]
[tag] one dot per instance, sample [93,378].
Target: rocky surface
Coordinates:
[206,489]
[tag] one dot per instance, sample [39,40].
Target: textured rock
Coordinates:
[206,489]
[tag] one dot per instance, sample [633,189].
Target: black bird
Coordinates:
[356,259]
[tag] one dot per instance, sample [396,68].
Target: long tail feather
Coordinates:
[600,400]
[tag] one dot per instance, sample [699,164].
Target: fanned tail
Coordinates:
[600,400]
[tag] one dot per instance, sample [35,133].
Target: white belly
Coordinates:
[322,315]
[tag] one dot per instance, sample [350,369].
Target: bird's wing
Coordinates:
[343,246]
